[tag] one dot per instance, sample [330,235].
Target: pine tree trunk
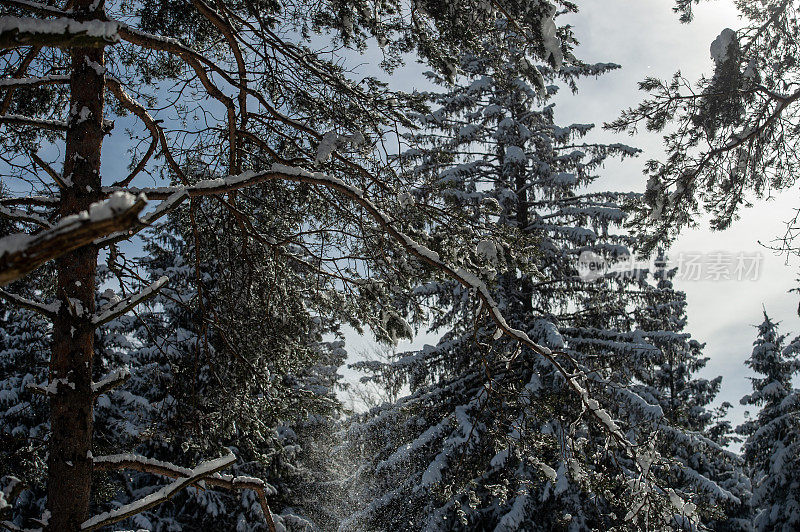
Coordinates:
[69,463]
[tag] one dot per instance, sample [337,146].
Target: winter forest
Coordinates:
[369,265]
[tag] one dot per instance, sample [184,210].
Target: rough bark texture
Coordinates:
[69,462]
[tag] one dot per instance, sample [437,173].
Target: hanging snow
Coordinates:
[552,44]
[721,45]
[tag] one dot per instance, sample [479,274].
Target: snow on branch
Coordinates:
[187,476]
[22,216]
[466,278]
[37,7]
[114,379]
[22,253]
[60,32]
[19,301]
[19,120]
[16,83]
[118,308]
[197,474]
[163,208]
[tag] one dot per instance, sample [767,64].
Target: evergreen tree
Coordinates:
[729,133]
[773,436]
[24,346]
[493,437]
[690,434]
[205,338]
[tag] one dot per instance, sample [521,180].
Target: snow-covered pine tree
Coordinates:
[492,437]
[24,349]
[773,435]
[691,435]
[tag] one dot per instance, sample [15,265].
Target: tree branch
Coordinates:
[156,467]
[16,83]
[36,7]
[25,303]
[113,310]
[53,125]
[114,379]
[466,278]
[155,132]
[21,216]
[194,476]
[49,169]
[22,253]
[62,32]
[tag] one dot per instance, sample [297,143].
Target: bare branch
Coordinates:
[34,201]
[55,176]
[38,389]
[467,279]
[21,69]
[155,132]
[165,207]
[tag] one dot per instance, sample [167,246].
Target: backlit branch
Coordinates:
[465,278]
[194,476]
[114,310]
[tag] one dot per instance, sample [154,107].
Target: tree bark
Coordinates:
[69,462]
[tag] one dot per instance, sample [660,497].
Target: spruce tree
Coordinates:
[492,437]
[773,435]
[691,435]
[24,348]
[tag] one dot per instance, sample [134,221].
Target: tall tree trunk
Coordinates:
[526,284]
[69,462]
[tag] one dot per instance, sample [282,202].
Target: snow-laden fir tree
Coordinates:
[492,437]
[24,347]
[773,435]
[691,434]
